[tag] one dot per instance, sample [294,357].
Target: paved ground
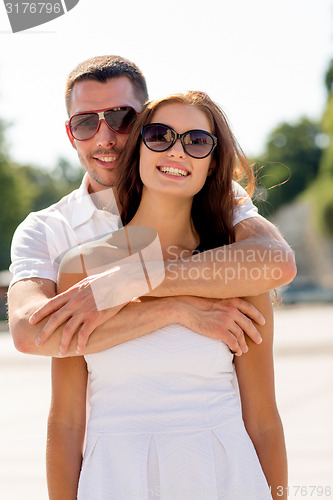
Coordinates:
[304,384]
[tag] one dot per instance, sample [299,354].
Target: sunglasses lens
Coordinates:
[158,137]
[84,126]
[198,143]
[120,119]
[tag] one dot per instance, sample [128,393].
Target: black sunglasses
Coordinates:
[84,126]
[196,143]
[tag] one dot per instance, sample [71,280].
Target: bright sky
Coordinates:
[263,61]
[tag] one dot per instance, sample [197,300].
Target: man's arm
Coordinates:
[226,320]
[260,260]
[25,295]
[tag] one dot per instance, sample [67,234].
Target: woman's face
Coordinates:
[173,171]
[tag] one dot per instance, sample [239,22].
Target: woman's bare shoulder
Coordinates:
[88,255]
[96,253]
[72,261]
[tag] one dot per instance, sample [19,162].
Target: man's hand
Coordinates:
[228,320]
[77,308]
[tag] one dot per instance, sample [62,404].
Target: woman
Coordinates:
[166,420]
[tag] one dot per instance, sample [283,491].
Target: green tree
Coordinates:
[16,194]
[291,162]
[320,193]
[51,185]
[67,176]
[329,78]
[326,164]
[26,188]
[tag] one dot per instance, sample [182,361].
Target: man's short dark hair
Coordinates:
[103,68]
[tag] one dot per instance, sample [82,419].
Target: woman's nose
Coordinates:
[177,149]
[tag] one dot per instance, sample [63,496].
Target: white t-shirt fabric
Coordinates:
[43,238]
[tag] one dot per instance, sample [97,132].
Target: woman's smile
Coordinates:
[173,169]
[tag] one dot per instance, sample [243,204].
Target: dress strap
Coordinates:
[82,261]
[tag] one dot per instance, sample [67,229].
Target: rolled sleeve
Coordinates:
[30,252]
[244,206]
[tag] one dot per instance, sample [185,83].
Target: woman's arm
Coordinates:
[255,374]
[66,427]
[67,421]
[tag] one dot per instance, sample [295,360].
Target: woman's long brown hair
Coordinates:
[213,206]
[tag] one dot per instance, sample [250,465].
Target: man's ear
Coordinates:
[70,136]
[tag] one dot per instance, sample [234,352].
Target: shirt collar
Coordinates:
[83,207]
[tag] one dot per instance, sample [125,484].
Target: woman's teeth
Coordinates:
[174,171]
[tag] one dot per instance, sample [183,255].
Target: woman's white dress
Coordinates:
[166,423]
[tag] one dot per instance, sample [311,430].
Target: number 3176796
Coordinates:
[33,8]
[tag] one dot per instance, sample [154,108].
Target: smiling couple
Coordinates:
[180,401]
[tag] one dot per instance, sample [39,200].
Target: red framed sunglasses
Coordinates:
[84,126]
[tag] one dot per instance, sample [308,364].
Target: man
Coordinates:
[63,325]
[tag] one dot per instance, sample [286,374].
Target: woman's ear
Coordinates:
[212,167]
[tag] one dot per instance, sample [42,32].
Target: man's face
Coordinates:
[99,155]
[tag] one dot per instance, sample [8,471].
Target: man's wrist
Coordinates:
[171,309]
[176,310]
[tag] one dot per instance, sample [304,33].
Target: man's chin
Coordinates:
[97,182]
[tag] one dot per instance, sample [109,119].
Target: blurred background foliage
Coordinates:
[296,164]
[27,188]
[289,164]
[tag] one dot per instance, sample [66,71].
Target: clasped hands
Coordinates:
[75,310]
